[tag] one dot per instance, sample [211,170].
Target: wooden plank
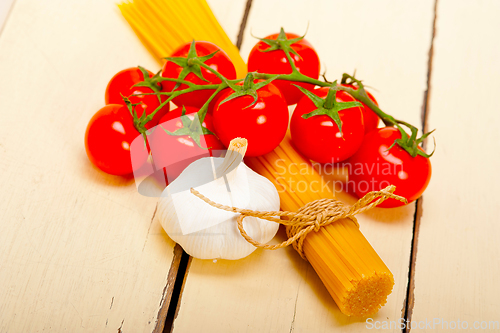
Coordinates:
[276,291]
[229,14]
[457,267]
[5,7]
[80,250]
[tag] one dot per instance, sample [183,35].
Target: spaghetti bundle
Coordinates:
[163,26]
[351,270]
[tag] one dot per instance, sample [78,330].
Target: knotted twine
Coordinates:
[310,217]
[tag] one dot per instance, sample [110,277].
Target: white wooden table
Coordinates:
[81,251]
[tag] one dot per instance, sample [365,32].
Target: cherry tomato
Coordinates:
[319,138]
[220,62]
[375,166]
[263,124]
[369,117]
[122,84]
[276,62]
[109,140]
[174,153]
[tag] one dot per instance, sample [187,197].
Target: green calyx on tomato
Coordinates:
[290,55]
[410,143]
[153,83]
[375,165]
[249,88]
[193,128]
[190,64]
[263,123]
[328,106]
[319,138]
[281,43]
[145,96]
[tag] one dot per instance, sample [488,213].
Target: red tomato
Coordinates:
[175,153]
[374,167]
[220,62]
[263,124]
[108,140]
[369,117]
[319,138]
[122,83]
[276,62]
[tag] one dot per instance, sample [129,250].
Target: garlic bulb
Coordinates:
[206,232]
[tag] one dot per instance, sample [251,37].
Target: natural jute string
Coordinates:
[311,216]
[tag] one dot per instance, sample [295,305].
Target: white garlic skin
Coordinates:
[223,240]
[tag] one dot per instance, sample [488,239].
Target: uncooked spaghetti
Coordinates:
[163,26]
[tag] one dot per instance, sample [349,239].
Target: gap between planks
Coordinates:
[409,303]
[180,282]
[243,24]
[169,290]
[182,261]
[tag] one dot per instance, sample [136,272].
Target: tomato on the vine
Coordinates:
[275,61]
[263,123]
[318,136]
[109,139]
[174,151]
[195,73]
[123,84]
[375,166]
[369,117]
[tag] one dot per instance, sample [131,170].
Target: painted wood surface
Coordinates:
[457,266]
[276,291]
[5,7]
[79,250]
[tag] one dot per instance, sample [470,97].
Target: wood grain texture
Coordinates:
[276,291]
[5,7]
[79,250]
[229,14]
[457,263]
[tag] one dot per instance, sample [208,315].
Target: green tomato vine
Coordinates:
[328,106]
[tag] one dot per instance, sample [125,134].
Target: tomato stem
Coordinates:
[204,109]
[219,75]
[248,83]
[407,142]
[330,97]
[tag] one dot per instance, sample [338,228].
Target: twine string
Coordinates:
[310,217]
